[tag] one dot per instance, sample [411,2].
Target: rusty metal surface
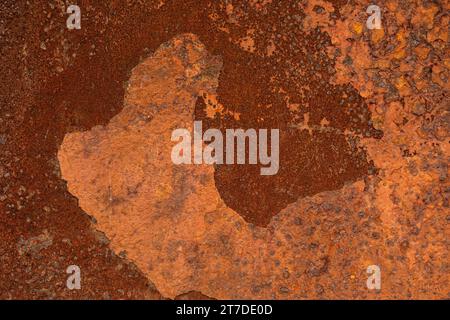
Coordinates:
[85,123]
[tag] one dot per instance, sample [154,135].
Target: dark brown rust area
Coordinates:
[259,88]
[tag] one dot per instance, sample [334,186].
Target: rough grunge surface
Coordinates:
[86,118]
